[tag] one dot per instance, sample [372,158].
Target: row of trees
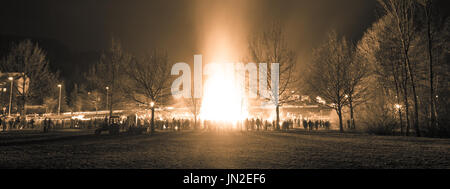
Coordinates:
[117,80]
[34,82]
[395,77]
[398,69]
[338,76]
[381,76]
[145,78]
[142,79]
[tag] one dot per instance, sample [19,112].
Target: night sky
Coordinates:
[78,30]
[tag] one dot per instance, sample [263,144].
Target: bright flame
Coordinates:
[223,96]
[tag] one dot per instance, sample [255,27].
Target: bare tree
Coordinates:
[93,98]
[149,80]
[380,47]
[403,13]
[32,76]
[108,72]
[194,107]
[434,28]
[428,7]
[271,46]
[328,73]
[356,87]
[441,81]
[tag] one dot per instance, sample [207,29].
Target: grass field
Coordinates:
[199,149]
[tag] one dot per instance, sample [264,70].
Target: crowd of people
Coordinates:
[257,124]
[43,123]
[315,124]
[130,122]
[308,124]
[20,123]
[162,124]
[8,123]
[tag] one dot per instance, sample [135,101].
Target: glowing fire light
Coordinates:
[223,97]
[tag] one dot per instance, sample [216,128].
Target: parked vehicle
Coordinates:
[112,126]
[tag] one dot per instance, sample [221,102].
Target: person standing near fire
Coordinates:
[2,124]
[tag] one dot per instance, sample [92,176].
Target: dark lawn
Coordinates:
[198,149]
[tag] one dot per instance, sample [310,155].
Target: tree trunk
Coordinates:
[23,112]
[416,105]
[152,122]
[405,96]
[405,47]
[341,125]
[401,121]
[278,117]
[195,122]
[404,85]
[113,82]
[195,114]
[111,98]
[416,113]
[430,59]
[352,118]
[110,104]
[397,92]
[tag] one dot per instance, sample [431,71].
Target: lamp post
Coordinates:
[107,89]
[10,95]
[59,101]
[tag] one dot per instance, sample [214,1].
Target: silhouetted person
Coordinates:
[3,124]
[285,125]
[310,124]
[16,123]
[32,123]
[49,124]
[327,125]
[11,123]
[23,122]
[246,124]
[252,124]
[258,124]
[45,125]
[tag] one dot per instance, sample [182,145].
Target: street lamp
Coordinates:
[10,95]
[59,102]
[107,89]
[152,104]
[398,106]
